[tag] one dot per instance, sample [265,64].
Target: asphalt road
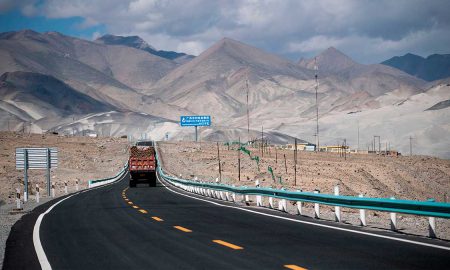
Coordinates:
[154,228]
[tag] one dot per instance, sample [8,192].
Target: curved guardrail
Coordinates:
[104,181]
[421,208]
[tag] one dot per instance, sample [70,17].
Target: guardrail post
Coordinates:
[282,205]
[259,200]
[247,198]
[271,202]
[316,207]
[37,193]
[299,205]
[227,195]
[432,227]
[362,214]
[337,209]
[393,219]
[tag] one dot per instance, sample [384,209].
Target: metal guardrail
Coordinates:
[104,181]
[421,208]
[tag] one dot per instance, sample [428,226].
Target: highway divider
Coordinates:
[104,181]
[221,191]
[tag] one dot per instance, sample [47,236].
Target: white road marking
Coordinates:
[307,222]
[42,257]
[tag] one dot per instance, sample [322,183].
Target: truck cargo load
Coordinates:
[142,163]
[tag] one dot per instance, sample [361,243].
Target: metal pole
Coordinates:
[239,160]
[358,137]
[25,178]
[48,171]
[196,134]
[316,68]
[262,141]
[248,115]
[295,162]
[410,146]
[218,158]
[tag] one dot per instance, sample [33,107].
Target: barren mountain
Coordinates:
[31,96]
[139,43]
[434,67]
[330,61]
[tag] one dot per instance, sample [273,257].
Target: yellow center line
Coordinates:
[130,202]
[294,267]
[223,243]
[158,219]
[135,207]
[143,211]
[183,229]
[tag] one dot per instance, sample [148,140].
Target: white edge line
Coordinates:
[42,257]
[310,223]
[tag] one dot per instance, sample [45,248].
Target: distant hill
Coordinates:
[434,67]
[35,96]
[139,43]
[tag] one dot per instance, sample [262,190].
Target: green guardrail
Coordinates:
[122,172]
[421,208]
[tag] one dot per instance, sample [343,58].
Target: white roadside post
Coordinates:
[37,193]
[299,205]
[337,209]
[271,202]
[76,185]
[227,195]
[53,190]
[233,195]
[362,214]
[18,202]
[393,219]
[65,187]
[316,207]
[258,197]
[432,227]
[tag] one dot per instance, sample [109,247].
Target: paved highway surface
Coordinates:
[115,227]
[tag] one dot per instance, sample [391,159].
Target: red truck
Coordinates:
[142,163]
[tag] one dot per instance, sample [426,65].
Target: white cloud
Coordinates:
[367,30]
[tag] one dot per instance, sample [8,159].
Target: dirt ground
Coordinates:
[411,178]
[81,158]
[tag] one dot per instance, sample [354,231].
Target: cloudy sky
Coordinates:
[368,31]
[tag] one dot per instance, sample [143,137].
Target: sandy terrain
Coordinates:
[81,158]
[414,178]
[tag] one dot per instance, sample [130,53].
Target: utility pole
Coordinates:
[248,115]
[239,160]
[316,68]
[358,136]
[262,141]
[345,149]
[218,158]
[295,163]
[410,146]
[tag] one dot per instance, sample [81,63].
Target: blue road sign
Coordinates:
[195,120]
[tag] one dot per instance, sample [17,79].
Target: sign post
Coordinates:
[36,158]
[195,121]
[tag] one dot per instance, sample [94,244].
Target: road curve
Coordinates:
[155,228]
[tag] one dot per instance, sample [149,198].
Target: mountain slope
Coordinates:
[330,61]
[139,43]
[32,96]
[434,67]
